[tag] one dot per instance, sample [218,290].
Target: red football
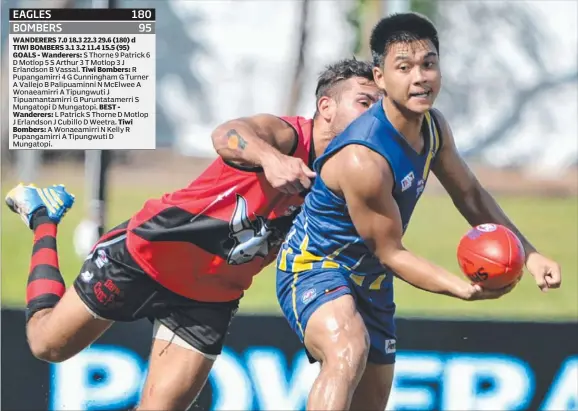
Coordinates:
[491,255]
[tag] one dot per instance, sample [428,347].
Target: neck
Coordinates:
[321,135]
[408,124]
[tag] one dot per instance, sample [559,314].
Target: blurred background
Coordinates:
[511,95]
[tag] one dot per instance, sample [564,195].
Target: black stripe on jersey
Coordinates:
[176,224]
[210,234]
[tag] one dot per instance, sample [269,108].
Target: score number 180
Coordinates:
[140,15]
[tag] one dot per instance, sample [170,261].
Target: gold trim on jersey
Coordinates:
[433,144]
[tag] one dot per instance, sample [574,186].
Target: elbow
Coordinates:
[468,199]
[472,200]
[390,257]
[217,139]
[222,133]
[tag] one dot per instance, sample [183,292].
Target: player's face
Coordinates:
[411,75]
[357,95]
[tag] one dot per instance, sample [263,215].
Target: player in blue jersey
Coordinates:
[335,269]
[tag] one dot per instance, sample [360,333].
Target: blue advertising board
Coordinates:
[442,365]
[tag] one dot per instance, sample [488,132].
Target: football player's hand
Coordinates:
[546,272]
[290,175]
[477,292]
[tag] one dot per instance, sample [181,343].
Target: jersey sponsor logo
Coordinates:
[251,237]
[407,181]
[420,187]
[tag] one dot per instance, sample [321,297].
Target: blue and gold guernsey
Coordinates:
[323,256]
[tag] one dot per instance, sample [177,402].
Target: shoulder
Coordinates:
[364,125]
[270,121]
[302,127]
[363,170]
[284,131]
[296,122]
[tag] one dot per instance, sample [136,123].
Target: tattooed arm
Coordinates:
[251,140]
[264,141]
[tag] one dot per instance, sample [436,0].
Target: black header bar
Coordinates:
[82,14]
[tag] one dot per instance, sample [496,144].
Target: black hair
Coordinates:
[338,72]
[402,27]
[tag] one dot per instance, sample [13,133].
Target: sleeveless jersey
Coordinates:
[323,236]
[208,240]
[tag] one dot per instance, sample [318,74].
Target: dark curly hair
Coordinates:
[334,74]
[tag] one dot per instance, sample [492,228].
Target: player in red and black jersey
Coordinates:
[184,260]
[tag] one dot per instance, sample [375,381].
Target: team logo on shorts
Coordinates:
[486,228]
[86,276]
[390,346]
[101,258]
[308,295]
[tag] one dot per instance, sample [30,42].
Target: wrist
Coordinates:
[461,290]
[529,251]
[266,157]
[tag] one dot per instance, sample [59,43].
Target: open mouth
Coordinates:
[424,94]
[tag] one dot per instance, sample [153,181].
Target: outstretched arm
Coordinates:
[365,180]
[479,207]
[264,141]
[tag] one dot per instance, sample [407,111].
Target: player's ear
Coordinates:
[378,77]
[326,107]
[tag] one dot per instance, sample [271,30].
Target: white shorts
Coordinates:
[161,332]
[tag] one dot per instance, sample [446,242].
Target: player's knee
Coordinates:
[349,354]
[46,351]
[44,347]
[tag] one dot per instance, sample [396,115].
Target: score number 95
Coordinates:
[143,14]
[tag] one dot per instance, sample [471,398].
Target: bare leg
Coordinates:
[177,374]
[337,337]
[59,325]
[56,334]
[373,390]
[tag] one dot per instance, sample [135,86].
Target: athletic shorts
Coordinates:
[301,294]
[114,287]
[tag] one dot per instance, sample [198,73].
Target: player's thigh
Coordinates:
[320,309]
[188,337]
[67,329]
[377,309]
[336,329]
[177,372]
[372,392]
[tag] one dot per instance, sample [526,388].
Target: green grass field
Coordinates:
[552,224]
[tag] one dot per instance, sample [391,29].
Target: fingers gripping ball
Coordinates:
[491,255]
